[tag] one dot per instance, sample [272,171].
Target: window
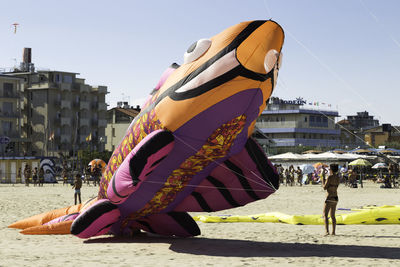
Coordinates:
[7,108]
[113,132]
[305,119]
[8,89]
[6,126]
[58,78]
[67,79]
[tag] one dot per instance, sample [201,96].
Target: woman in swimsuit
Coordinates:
[330,185]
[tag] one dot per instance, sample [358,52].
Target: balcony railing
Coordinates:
[9,95]
[66,87]
[8,114]
[84,122]
[66,104]
[102,90]
[84,105]
[65,138]
[84,88]
[102,106]
[65,121]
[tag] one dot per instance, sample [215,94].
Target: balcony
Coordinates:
[66,87]
[103,123]
[9,114]
[102,89]
[102,106]
[65,121]
[84,105]
[66,104]
[84,88]
[11,134]
[65,138]
[9,95]
[84,122]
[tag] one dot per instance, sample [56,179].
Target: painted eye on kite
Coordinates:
[271,60]
[196,50]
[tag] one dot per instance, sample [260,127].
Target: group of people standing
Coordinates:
[290,176]
[36,176]
[89,174]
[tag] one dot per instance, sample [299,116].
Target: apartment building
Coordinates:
[291,123]
[11,101]
[63,113]
[118,121]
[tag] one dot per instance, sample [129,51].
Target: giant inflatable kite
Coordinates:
[190,147]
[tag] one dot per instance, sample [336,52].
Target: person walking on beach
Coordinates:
[27,174]
[291,172]
[19,175]
[324,172]
[287,176]
[65,174]
[77,186]
[41,176]
[299,173]
[35,176]
[330,185]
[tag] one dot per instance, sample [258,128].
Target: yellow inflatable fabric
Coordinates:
[364,215]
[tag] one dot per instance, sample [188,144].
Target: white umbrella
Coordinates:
[307,168]
[379,165]
[286,156]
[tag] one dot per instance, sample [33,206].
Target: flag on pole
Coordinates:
[51,137]
[89,138]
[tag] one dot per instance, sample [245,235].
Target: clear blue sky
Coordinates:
[345,52]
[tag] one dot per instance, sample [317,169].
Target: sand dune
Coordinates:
[235,244]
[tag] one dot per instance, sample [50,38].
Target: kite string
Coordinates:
[330,70]
[342,127]
[223,166]
[380,24]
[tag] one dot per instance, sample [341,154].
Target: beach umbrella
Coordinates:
[97,162]
[360,162]
[312,152]
[379,165]
[307,168]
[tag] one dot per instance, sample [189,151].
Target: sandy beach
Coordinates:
[220,244]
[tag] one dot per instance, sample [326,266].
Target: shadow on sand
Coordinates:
[243,248]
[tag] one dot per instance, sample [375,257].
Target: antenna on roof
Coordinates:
[15,27]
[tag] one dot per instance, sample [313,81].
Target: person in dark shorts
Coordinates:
[27,174]
[41,176]
[35,176]
[330,185]
[77,186]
